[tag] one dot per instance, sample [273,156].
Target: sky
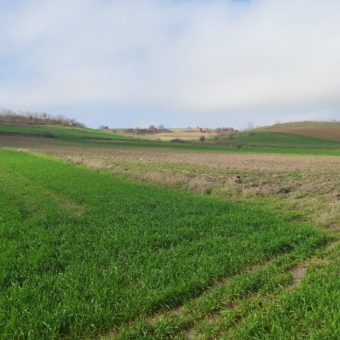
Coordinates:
[179,63]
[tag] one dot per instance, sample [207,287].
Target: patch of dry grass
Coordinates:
[185,134]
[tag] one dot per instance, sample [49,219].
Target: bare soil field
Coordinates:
[326,131]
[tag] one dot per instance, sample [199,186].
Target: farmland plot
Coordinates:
[307,186]
[83,252]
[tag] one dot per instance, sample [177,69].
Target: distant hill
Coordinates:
[59,132]
[48,126]
[187,134]
[326,130]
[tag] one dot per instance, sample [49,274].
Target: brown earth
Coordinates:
[326,131]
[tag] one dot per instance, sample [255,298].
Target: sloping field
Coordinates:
[259,142]
[59,132]
[306,182]
[187,134]
[318,130]
[83,253]
[284,142]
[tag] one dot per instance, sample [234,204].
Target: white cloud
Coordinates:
[260,60]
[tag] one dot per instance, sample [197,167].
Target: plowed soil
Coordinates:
[326,132]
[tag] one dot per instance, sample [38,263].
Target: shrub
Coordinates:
[48,135]
[177,140]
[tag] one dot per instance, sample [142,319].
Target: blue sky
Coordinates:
[174,62]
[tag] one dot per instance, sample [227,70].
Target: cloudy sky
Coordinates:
[128,63]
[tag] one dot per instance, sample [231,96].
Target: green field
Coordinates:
[83,253]
[269,144]
[61,132]
[287,141]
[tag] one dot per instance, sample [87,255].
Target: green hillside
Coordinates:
[60,132]
[255,141]
[287,141]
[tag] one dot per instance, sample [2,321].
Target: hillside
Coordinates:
[326,130]
[257,141]
[49,126]
[187,134]
[60,132]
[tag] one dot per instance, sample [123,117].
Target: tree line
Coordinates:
[35,118]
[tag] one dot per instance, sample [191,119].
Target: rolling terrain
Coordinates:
[256,141]
[58,132]
[325,130]
[127,238]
